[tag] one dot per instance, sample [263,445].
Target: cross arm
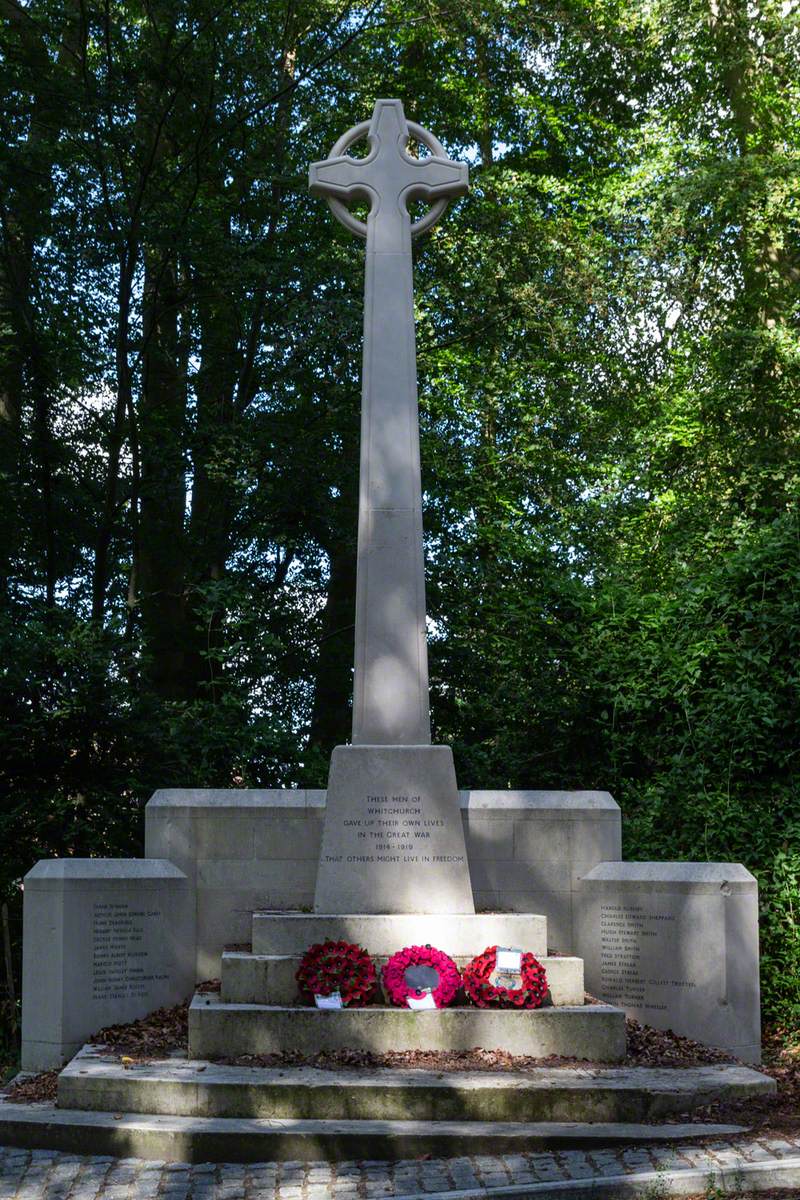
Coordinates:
[341,177]
[436,178]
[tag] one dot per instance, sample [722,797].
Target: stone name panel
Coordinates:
[625,959]
[676,946]
[124,938]
[104,941]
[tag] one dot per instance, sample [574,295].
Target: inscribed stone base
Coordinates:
[393,838]
[104,941]
[676,946]
[244,850]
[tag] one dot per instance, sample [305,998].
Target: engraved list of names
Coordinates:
[124,936]
[638,967]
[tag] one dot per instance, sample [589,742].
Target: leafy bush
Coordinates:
[699,707]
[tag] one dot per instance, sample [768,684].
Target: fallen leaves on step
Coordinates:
[159,1034]
[35,1089]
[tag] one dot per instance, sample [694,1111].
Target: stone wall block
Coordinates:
[676,945]
[243,849]
[489,839]
[507,878]
[297,835]
[105,941]
[229,834]
[264,876]
[595,841]
[169,833]
[542,836]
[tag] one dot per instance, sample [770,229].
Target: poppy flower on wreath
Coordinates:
[483,993]
[342,967]
[414,971]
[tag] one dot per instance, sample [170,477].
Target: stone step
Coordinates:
[592,1031]
[221,1139]
[461,936]
[270,978]
[95,1081]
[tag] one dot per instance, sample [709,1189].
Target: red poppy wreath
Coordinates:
[341,967]
[411,972]
[482,992]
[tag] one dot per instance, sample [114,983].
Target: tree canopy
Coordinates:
[609,363]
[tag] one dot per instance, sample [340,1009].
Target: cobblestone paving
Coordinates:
[47,1175]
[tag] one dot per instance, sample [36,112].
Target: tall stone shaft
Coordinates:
[390,688]
[393,838]
[390,696]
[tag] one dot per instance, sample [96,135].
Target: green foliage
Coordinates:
[698,703]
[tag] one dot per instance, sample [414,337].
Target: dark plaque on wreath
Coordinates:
[419,976]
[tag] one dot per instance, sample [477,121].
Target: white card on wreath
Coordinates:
[332,1001]
[505,979]
[508,960]
[426,1000]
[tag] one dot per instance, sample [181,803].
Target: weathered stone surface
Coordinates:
[104,941]
[232,844]
[270,979]
[97,1082]
[676,945]
[558,836]
[393,839]
[262,1140]
[390,693]
[594,1032]
[384,934]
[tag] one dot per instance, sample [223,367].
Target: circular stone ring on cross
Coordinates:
[341,211]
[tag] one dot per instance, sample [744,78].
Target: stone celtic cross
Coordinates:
[390,695]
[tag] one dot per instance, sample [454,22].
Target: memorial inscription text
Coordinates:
[123,935]
[637,966]
[395,829]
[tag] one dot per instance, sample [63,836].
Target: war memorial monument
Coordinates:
[239,884]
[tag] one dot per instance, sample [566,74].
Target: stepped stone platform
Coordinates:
[592,1031]
[270,978]
[180,1110]
[212,1139]
[192,1109]
[464,935]
[257,1011]
[98,1082]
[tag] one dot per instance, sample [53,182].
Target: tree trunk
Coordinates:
[122,406]
[24,212]
[225,386]
[769,266]
[770,269]
[333,685]
[170,666]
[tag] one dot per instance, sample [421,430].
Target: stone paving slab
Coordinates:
[751,1165]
